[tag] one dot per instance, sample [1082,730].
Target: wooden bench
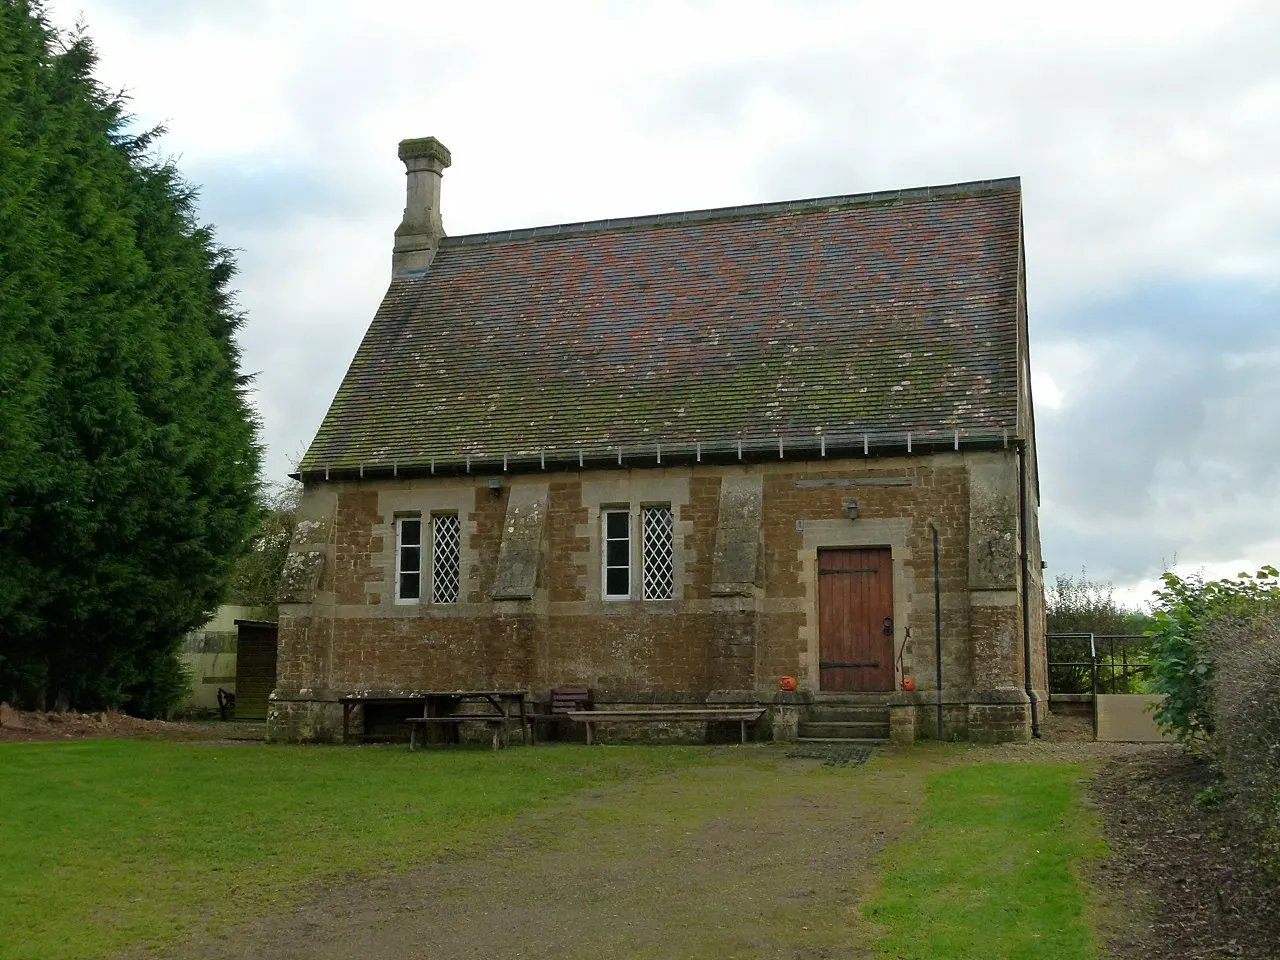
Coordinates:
[564,700]
[741,715]
[497,724]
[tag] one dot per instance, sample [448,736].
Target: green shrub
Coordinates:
[1182,662]
[1246,720]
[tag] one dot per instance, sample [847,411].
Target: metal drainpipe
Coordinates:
[1026,598]
[937,624]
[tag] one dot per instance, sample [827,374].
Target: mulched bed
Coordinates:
[69,725]
[1181,865]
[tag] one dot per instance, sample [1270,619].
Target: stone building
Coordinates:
[677,457]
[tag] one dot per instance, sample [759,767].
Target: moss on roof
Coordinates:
[838,315]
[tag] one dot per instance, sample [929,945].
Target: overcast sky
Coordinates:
[1146,136]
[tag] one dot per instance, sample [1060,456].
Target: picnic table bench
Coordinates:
[742,715]
[453,722]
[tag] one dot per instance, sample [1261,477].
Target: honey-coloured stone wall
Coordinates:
[744,607]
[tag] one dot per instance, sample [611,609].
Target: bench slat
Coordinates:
[742,716]
[750,713]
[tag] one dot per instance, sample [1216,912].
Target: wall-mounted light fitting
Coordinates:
[850,508]
[495,485]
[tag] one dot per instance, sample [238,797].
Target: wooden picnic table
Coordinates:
[440,708]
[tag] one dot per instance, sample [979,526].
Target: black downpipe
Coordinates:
[1026,591]
[937,624]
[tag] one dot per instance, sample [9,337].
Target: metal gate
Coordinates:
[1110,673]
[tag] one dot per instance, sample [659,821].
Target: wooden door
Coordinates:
[255,668]
[855,619]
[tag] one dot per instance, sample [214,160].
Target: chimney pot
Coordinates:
[421,230]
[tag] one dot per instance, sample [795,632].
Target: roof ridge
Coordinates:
[875,198]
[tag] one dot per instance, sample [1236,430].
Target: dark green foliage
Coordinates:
[1246,721]
[1078,605]
[1182,651]
[128,455]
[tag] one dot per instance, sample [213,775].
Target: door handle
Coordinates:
[888,626]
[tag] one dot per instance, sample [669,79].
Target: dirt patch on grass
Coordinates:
[17,725]
[1179,869]
[764,857]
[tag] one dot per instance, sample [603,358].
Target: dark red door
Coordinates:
[855,619]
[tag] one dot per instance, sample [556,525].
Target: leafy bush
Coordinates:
[255,580]
[1182,651]
[1246,720]
[162,683]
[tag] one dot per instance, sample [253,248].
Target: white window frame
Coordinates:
[636,558]
[605,540]
[400,548]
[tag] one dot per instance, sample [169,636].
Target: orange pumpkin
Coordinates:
[787,683]
[908,683]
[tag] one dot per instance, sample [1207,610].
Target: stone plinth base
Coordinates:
[304,721]
[902,725]
[1000,722]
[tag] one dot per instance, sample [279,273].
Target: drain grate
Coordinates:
[832,755]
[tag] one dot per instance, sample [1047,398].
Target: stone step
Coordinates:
[838,713]
[833,730]
[851,741]
[861,698]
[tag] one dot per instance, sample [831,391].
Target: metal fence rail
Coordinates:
[1097,663]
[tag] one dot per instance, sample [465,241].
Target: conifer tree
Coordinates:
[128,453]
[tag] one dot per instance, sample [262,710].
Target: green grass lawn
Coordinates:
[107,844]
[989,873]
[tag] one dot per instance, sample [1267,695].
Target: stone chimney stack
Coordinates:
[420,232]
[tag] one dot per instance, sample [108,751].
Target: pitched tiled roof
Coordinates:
[871,313]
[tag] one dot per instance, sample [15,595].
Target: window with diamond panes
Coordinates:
[617,554]
[658,553]
[446,558]
[408,559]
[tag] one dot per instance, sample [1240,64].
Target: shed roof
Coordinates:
[868,313]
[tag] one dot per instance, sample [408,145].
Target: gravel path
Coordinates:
[762,858]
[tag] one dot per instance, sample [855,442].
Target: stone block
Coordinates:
[902,724]
[1000,722]
[521,546]
[736,559]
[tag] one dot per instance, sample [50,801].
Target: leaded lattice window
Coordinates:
[658,553]
[446,558]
